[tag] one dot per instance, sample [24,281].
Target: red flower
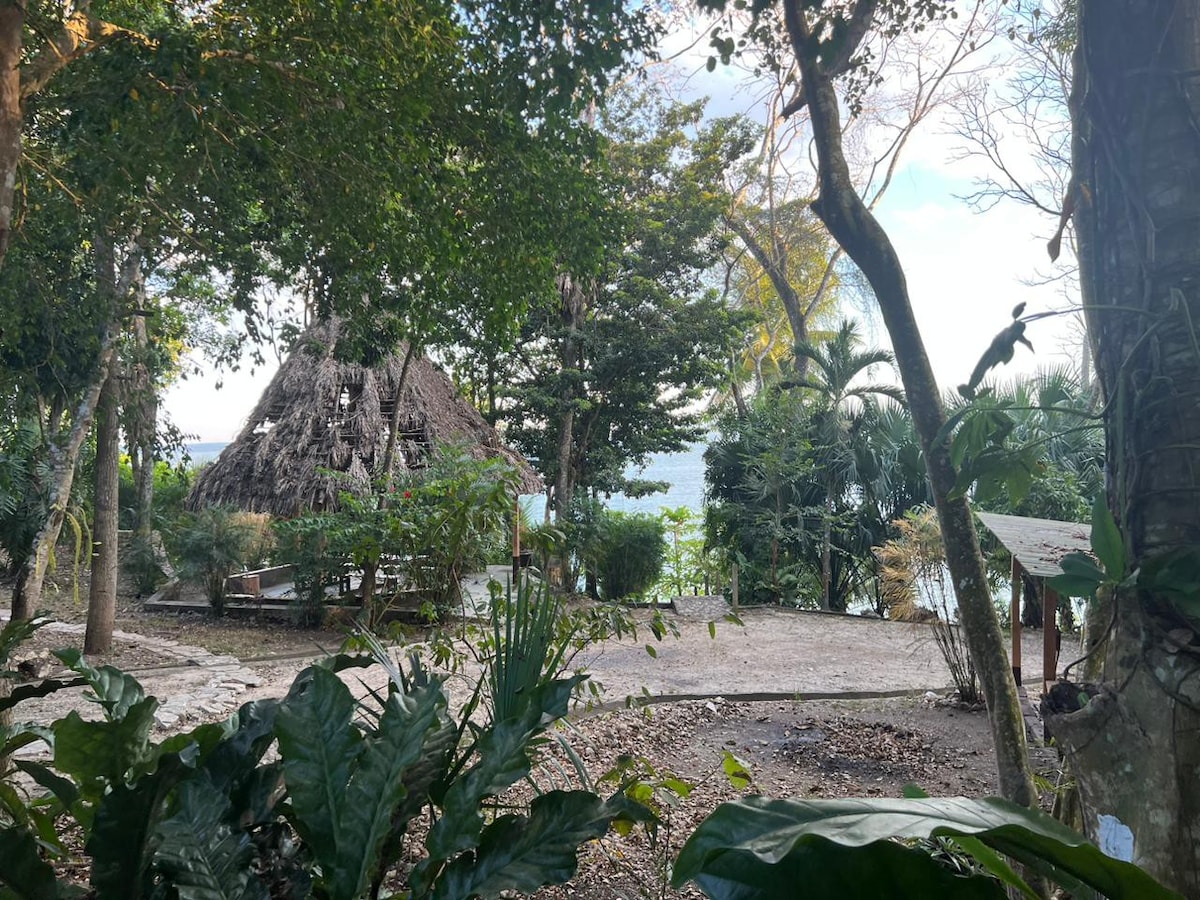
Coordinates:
[408,495]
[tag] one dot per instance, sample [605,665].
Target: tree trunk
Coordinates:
[142,410]
[12,24]
[827,549]
[775,265]
[573,312]
[1031,606]
[1136,153]
[65,454]
[63,458]
[102,595]
[854,227]
[389,452]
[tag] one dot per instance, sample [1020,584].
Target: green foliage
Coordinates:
[171,486]
[527,644]
[140,561]
[689,566]
[650,338]
[628,554]
[214,543]
[1172,577]
[826,457]
[1029,448]
[204,814]
[432,527]
[876,848]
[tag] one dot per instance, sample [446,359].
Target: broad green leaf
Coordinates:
[319,747]
[829,870]
[1073,585]
[103,751]
[63,789]
[736,771]
[200,855]
[1081,576]
[1081,565]
[776,842]
[503,759]
[23,872]
[123,833]
[113,689]
[523,853]
[1106,539]
[16,632]
[377,788]
[45,688]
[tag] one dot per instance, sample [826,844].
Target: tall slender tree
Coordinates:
[826,40]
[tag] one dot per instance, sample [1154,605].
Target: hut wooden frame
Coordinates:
[1037,547]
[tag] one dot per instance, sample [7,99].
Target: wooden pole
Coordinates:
[1049,637]
[1016,620]
[516,543]
[734,586]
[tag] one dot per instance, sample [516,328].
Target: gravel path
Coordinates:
[777,653]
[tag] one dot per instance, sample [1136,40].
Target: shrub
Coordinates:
[140,562]
[171,486]
[912,570]
[433,526]
[213,813]
[629,554]
[216,542]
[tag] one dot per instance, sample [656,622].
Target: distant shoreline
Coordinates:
[684,471]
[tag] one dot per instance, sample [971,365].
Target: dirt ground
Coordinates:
[760,687]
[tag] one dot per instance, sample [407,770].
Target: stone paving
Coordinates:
[199,685]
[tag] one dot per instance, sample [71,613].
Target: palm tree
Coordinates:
[834,378]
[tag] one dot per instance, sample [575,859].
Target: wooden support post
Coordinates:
[1016,620]
[734,587]
[516,560]
[1049,637]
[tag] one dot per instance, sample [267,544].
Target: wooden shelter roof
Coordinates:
[1038,544]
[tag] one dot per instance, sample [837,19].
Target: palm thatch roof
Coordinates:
[321,414]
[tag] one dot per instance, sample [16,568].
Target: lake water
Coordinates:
[684,471]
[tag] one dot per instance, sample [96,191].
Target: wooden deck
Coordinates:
[278,600]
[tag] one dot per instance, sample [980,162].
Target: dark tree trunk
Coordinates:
[102,596]
[63,458]
[1135,107]
[774,263]
[573,312]
[12,24]
[389,452]
[827,549]
[854,227]
[1031,605]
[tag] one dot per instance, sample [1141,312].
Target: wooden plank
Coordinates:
[1016,619]
[1040,544]
[1049,637]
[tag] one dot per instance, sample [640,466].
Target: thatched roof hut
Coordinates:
[321,414]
